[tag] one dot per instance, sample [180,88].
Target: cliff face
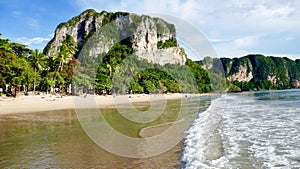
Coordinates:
[297,84]
[78,27]
[150,38]
[261,72]
[243,75]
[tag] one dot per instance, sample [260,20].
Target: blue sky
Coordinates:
[233,27]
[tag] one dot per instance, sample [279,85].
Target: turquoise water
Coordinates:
[247,130]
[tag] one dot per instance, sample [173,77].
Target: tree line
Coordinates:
[120,71]
[117,71]
[24,69]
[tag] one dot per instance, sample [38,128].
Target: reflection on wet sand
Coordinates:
[56,140]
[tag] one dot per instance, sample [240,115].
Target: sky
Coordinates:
[234,28]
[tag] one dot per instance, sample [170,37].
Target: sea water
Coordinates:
[246,130]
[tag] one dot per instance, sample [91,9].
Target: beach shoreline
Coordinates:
[43,103]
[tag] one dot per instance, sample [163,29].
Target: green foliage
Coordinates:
[63,63]
[226,62]
[16,65]
[201,76]
[284,70]
[110,16]
[216,74]
[156,79]
[232,87]
[149,86]
[109,65]
[121,71]
[72,22]
[135,86]
[135,20]
[63,24]
[245,86]
[163,27]
[109,32]
[103,84]
[167,44]
[48,46]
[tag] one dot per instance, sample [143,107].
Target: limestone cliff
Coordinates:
[297,84]
[243,75]
[261,72]
[238,70]
[150,38]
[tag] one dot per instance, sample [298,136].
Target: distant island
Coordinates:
[119,53]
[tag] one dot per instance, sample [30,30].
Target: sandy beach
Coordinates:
[40,103]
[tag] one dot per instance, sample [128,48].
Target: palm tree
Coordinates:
[65,55]
[110,69]
[66,52]
[38,60]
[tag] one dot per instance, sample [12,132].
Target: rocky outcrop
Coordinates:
[238,70]
[142,33]
[273,79]
[78,27]
[172,55]
[297,84]
[146,37]
[243,75]
[262,72]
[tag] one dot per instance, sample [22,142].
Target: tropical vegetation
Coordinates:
[268,72]
[120,71]
[23,69]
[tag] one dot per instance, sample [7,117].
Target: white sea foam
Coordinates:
[198,135]
[254,133]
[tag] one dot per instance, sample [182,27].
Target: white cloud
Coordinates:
[240,46]
[215,14]
[32,41]
[277,13]
[216,40]
[246,41]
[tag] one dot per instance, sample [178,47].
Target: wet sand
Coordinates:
[56,140]
[51,122]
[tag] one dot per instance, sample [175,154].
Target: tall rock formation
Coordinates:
[261,72]
[151,38]
[238,69]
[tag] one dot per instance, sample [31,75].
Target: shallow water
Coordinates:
[247,130]
[56,140]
